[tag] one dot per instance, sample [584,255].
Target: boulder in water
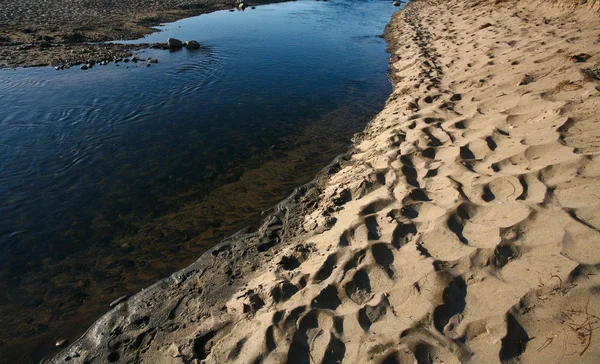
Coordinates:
[174,43]
[192,44]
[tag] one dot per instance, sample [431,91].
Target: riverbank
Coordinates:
[462,225]
[63,32]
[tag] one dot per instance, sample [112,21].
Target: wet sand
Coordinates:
[462,226]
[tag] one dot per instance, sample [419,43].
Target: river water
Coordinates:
[115,177]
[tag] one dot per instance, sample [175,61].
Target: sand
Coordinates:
[462,227]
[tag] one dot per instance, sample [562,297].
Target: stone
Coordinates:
[580,58]
[134,59]
[174,43]
[527,79]
[396,3]
[84,67]
[61,342]
[192,44]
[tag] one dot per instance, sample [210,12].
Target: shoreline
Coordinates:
[71,42]
[461,218]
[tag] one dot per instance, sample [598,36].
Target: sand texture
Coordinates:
[462,227]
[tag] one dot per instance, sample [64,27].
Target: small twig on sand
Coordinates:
[589,322]
[582,330]
[562,292]
[545,344]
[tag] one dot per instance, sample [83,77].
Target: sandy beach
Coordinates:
[461,227]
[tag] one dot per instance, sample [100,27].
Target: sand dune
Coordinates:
[463,227]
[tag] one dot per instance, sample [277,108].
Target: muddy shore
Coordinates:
[63,32]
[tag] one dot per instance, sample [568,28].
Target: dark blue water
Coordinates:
[114,177]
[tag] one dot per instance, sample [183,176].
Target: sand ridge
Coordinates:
[462,227]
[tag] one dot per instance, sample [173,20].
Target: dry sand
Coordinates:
[463,227]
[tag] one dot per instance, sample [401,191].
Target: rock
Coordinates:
[396,3]
[61,342]
[592,72]
[152,60]
[84,67]
[192,44]
[231,10]
[241,6]
[118,300]
[134,59]
[126,60]
[147,64]
[580,58]
[527,79]
[174,43]
[253,7]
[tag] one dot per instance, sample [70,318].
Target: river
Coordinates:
[117,176]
